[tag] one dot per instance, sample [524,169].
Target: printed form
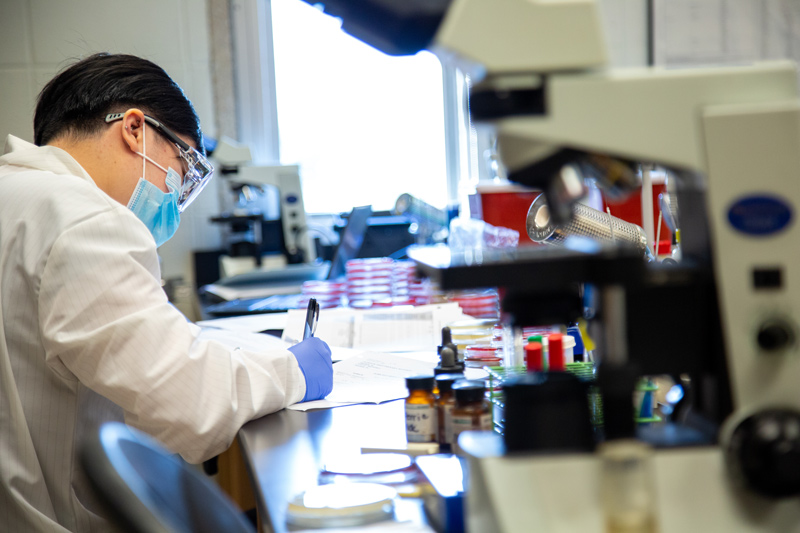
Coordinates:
[370,378]
[391,329]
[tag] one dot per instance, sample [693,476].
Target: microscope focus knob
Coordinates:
[775,335]
[764,453]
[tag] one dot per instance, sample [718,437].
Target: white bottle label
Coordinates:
[465,423]
[420,423]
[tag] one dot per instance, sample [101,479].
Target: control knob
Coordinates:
[775,335]
[764,453]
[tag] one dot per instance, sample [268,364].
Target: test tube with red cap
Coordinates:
[555,351]
[533,357]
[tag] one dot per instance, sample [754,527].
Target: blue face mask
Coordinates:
[156,208]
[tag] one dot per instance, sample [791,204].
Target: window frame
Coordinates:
[257,105]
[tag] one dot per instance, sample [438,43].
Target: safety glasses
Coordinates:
[199,170]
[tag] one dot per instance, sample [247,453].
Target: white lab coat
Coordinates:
[87,335]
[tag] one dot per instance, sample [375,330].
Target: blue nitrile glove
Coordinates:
[314,358]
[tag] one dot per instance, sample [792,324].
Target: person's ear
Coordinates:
[133,129]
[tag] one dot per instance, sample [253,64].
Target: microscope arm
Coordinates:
[531,62]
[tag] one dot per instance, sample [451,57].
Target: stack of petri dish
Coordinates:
[479,304]
[425,292]
[544,331]
[472,331]
[404,274]
[369,282]
[420,292]
[328,294]
[482,355]
[475,340]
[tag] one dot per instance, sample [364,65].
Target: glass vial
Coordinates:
[444,408]
[628,487]
[471,411]
[421,423]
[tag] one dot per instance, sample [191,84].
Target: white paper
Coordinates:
[396,331]
[251,323]
[255,342]
[318,404]
[335,326]
[374,377]
[392,329]
[370,378]
[338,353]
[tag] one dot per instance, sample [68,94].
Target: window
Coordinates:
[363,126]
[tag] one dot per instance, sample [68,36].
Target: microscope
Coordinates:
[264,210]
[726,315]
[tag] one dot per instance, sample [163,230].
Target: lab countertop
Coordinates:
[286,451]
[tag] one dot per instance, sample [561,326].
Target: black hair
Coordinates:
[76,101]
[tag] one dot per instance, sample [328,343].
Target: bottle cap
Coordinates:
[555,352]
[448,357]
[469,391]
[445,381]
[533,356]
[448,364]
[575,333]
[453,346]
[419,383]
[459,355]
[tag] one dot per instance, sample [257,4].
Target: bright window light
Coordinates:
[363,126]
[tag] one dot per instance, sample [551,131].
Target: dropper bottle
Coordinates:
[447,363]
[447,342]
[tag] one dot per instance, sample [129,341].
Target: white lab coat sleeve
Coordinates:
[106,322]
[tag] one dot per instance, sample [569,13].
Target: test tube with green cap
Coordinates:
[540,340]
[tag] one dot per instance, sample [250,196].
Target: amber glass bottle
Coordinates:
[471,412]
[445,402]
[421,425]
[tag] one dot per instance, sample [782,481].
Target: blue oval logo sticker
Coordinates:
[760,215]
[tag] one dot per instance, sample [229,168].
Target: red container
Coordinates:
[630,210]
[506,205]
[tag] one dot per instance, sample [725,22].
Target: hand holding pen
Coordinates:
[314,357]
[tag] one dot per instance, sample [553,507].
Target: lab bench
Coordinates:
[285,452]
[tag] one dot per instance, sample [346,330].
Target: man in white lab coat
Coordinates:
[86,333]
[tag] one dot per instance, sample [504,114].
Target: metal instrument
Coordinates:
[585,222]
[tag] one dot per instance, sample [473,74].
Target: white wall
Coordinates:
[40,37]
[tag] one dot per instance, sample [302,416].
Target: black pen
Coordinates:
[312,315]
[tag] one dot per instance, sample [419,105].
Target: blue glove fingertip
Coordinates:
[314,359]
